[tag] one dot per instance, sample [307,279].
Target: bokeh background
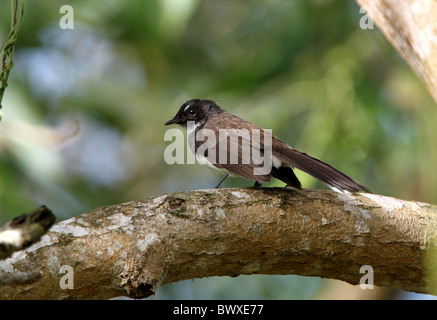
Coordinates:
[84,111]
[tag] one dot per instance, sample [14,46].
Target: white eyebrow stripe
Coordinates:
[187,107]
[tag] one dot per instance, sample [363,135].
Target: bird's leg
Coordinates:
[257,185]
[221,181]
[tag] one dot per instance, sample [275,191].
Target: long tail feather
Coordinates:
[320,170]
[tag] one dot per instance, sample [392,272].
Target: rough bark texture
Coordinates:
[133,248]
[411,27]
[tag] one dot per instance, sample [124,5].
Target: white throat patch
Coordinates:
[192,126]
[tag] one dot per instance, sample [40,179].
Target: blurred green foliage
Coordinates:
[84,110]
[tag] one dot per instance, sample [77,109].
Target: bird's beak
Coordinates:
[172,121]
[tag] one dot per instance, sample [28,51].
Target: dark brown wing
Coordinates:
[232,149]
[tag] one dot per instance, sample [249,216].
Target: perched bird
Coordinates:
[232,142]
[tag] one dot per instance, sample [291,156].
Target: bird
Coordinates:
[203,115]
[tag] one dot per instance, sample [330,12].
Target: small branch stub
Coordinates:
[24,230]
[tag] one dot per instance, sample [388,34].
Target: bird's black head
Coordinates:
[195,110]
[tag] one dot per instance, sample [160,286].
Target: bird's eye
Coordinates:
[192,112]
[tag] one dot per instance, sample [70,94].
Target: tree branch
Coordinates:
[411,27]
[133,248]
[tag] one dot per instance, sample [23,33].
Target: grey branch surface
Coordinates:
[133,248]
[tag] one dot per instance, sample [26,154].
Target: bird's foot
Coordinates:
[257,185]
[298,190]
